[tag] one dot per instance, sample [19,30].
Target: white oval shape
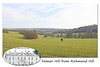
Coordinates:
[22,56]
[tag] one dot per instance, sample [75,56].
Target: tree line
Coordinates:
[84,29]
[81,32]
[72,35]
[27,34]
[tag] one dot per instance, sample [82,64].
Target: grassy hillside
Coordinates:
[52,46]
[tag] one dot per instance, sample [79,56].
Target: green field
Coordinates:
[52,46]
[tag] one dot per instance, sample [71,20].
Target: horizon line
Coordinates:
[57,28]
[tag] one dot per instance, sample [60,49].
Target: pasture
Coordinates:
[52,46]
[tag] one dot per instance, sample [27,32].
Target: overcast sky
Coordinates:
[48,15]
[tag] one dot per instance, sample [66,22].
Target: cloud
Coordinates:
[49,15]
[15,15]
[84,14]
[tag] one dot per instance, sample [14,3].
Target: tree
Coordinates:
[69,34]
[51,35]
[83,36]
[88,35]
[30,35]
[79,35]
[94,35]
[45,35]
[5,31]
[34,30]
[21,32]
[58,35]
[74,36]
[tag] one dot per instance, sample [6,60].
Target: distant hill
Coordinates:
[82,29]
[92,28]
[46,30]
[39,30]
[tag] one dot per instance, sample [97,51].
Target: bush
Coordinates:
[5,31]
[30,35]
[21,32]
[45,35]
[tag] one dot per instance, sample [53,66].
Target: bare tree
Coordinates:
[30,35]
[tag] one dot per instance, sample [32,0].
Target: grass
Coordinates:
[52,46]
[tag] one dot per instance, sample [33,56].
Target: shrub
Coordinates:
[21,32]
[30,35]
[5,31]
[45,35]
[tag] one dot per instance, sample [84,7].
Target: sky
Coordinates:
[48,15]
